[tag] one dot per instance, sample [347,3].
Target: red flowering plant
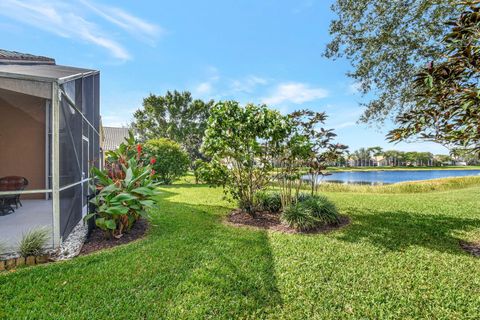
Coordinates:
[126,189]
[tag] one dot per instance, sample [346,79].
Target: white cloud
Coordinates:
[247,84]
[126,21]
[295,92]
[204,88]
[68,20]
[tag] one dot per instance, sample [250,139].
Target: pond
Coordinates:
[394,176]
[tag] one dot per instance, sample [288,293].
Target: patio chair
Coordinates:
[12,183]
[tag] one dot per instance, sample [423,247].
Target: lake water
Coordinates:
[394,176]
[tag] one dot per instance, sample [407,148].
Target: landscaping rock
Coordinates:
[72,246]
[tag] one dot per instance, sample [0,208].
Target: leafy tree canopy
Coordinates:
[176,116]
[448,90]
[386,42]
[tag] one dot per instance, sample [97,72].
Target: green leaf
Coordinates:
[148,203]
[124,197]
[117,210]
[111,224]
[144,191]
[89,216]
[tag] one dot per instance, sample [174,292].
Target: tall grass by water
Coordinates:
[443,184]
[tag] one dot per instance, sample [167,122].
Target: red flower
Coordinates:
[153,160]
[152,173]
[139,148]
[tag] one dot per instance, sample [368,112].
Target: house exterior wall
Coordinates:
[22,138]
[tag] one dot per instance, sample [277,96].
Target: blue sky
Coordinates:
[261,51]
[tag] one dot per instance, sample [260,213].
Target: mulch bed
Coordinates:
[97,240]
[271,221]
[472,248]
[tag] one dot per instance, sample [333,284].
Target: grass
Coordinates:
[443,184]
[386,168]
[399,258]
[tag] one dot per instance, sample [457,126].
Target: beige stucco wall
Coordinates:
[22,138]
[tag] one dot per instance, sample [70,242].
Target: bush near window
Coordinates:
[310,212]
[126,189]
[167,159]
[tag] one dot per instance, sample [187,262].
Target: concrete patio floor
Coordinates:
[33,214]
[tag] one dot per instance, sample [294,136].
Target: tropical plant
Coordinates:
[125,189]
[167,159]
[120,202]
[448,111]
[33,242]
[268,201]
[175,116]
[242,142]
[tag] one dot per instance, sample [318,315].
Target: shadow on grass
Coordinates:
[398,230]
[220,272]
[189,266]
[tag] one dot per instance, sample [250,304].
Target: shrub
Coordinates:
[122,201]
[310,212]
[299,217]
[33,242]
[268,201]
[321,208]
[167,159]
[125,189]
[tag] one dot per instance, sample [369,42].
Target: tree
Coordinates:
[308,146]
[175,116]
[242,143]
[448,111]
[167,159]
[386,41]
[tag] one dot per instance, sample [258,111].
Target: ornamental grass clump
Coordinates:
[310,212]
[33,242]
[270,201]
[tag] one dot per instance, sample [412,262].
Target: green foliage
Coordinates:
[310,212]
[167,159]
[242,142]
[268,201]
[121,202]
[299,217]
[308,146]
[33,242]
[386,41]
[448,110]
[175,116]
[320,207]
[126,189]
[396,246]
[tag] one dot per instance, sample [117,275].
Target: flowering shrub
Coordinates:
[167,159]
[126,189]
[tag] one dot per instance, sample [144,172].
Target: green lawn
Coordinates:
[398,259]
[386,168]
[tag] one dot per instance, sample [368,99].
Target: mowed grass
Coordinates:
[399,258]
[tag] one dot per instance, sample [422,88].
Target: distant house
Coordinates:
[49,140]
[113,137]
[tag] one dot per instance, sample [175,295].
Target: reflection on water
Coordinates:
[382,177]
